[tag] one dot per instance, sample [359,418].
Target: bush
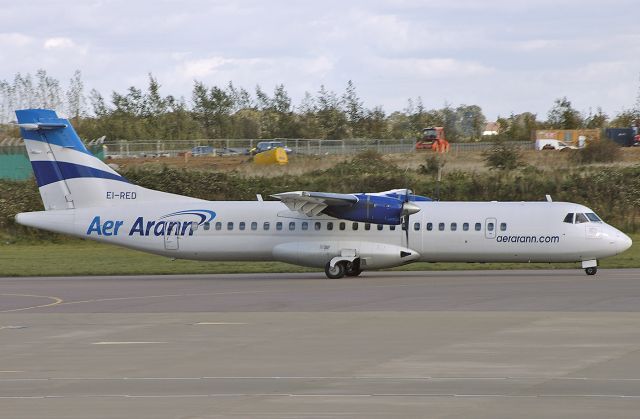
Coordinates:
[503,156]
[603,151]
[432,165]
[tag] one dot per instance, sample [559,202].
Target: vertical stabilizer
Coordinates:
[68,175]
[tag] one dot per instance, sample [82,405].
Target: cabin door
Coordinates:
[490,228]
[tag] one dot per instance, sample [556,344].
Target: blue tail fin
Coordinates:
[68,175]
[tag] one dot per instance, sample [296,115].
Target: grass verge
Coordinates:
[79,257]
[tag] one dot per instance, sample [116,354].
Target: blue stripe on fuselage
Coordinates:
[51,171]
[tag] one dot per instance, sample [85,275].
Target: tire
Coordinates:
[337,272]
[591,271]
[353,269]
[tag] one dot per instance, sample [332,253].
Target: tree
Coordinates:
[517,127]
[471,121]
[331,119]
[354,109]
[98,104]
[76,101]
[597,120]
[47,91]
[563,116]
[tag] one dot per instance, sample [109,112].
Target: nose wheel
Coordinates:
[591,270]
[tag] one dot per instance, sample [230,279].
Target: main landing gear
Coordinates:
[342,268]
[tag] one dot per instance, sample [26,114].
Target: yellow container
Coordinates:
[274,156]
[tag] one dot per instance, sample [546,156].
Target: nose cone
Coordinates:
[408,208]
[623,242]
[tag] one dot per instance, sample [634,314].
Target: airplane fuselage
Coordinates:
[266,230]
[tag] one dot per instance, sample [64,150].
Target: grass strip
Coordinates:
[81,257]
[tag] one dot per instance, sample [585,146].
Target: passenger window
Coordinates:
[279,226]
[194,226]
[380,227]
[454,226]
[569,218]
[305,225]
[354,226]
[207,226]
[230,225]
[218,226]
[591,216]
[478,226]
[465,226]
[441,226]
[490,226]
[392,228]
[581,218]
[416,226]
[318,225]
[342,226]
[254,225]
[241,225]
[429,226]
[503,226]
[292,225]
[367,226]
[329,225]
[265,226]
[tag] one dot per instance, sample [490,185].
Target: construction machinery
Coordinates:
[433,139]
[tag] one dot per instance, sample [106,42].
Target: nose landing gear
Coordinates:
[590,266]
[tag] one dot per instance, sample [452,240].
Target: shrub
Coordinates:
[603,151]
[432,165]
[503,156]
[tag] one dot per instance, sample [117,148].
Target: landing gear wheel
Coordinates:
[591,271]
[353,269]
[336,272]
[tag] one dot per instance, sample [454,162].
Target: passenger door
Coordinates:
[490,225]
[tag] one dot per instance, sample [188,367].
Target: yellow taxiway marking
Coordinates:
[55,302]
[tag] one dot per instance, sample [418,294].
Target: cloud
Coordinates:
[207,67]
[434,68]
[58,43]
[15,39]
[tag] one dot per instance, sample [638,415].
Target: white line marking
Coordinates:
[216,323]
[124,343]
[161,396]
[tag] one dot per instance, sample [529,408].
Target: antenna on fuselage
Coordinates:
[548,198]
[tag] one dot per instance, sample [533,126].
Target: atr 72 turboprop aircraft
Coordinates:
[342,233]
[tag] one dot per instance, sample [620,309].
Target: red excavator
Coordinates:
[433,139]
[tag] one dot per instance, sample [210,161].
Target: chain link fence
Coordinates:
[223,147]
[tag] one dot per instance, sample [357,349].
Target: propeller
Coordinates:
[408,208]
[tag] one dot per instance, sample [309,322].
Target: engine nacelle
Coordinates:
[373,209]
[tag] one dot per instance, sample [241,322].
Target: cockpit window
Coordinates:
[569,218]
[581,218]
[591,216]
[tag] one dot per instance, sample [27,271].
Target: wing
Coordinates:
[313,203]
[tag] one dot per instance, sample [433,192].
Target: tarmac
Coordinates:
[465,344]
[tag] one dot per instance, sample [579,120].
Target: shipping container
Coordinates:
[622,136]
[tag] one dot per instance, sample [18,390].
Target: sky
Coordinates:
[507,56]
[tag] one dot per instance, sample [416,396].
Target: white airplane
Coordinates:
[343,233]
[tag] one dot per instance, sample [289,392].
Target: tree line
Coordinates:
[234,112]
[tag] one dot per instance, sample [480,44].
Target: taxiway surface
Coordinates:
[482,344]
